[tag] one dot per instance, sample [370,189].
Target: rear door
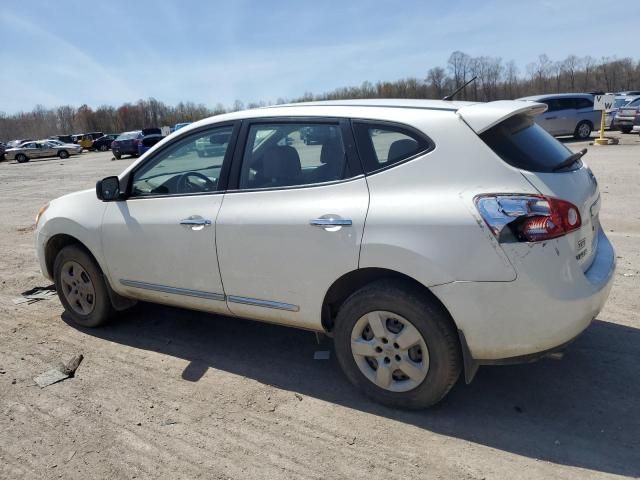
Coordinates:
[551,120]
[292,222]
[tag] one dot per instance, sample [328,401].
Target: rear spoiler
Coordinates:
[482,116]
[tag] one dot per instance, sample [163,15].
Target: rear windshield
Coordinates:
[128,136]
[522,143]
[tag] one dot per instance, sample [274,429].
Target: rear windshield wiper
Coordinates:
[571,159]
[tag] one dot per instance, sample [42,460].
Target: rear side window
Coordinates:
[383,145]
[584,103]
[524,144]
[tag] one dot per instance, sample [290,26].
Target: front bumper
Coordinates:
[550,303]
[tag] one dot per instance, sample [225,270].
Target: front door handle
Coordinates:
[330,222]
[195,222]
[551,118]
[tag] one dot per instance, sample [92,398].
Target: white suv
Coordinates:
[425,237]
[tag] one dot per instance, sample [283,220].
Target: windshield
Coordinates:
[524,144]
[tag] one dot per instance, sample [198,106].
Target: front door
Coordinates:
[293,223]
[160,244]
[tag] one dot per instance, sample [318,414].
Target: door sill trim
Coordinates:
[173,290]
[263,303]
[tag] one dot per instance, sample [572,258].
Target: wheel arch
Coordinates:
[57,243]
[352,281]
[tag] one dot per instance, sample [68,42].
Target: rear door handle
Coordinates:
[551,118]
[195,222]
[330,222]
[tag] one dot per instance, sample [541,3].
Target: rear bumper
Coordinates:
[550,303]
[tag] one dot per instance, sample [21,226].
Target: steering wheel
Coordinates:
[185,186]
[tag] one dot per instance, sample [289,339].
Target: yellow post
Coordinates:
[602,140]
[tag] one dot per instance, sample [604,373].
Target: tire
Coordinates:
[626,129]
[103,148]
[117,156]
[87,300]
[22,158]
[583,130]
[399,302]
[200,153]
[63,154]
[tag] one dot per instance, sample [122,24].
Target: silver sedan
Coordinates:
[42,149]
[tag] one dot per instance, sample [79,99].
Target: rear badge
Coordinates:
[581,255]
[582,243]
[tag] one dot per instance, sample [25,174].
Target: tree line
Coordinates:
[496,79]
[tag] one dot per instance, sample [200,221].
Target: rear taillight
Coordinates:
[527,218]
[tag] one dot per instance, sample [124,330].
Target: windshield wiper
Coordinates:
[571,159]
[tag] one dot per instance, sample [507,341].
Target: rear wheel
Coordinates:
[397,345]
[626,129]
[103,148]
[117,155]
[21,158]
[583,130]
[81,287]
[63,154]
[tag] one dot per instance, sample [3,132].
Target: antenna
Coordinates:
[451,95]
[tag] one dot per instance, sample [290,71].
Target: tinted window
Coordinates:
[583,103]
[634,103]
[290,154]
[567,103]
[190,165]
[382,145]
[522,143]
[553,105]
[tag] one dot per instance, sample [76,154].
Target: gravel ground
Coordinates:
[167,393]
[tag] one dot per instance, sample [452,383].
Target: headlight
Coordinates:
[40,212]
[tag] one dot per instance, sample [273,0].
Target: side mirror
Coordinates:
[108,189]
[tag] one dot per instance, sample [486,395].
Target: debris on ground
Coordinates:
[298,396]
[322,355]
[61,372]
[35,295]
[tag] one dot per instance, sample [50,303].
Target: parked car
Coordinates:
[636,123]
[620,101]
[126,144]
[464,260]
[62,138]
[41,149]
[104,143]
[178,126]
[567,114]
[625,115]
[2,149]
[150,136]
[18,142]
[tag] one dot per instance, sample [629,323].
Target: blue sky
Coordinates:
[68,52]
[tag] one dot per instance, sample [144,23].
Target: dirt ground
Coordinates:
[166,393]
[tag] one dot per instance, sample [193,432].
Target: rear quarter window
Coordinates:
[523,144]
[382,145]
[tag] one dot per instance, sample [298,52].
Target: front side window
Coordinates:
[291,154]
[381,146]
[188,166]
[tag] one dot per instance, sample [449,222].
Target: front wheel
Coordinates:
[103,148]
[583,131]
[81,287]
[63,154]
[397,345]
[626,129]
